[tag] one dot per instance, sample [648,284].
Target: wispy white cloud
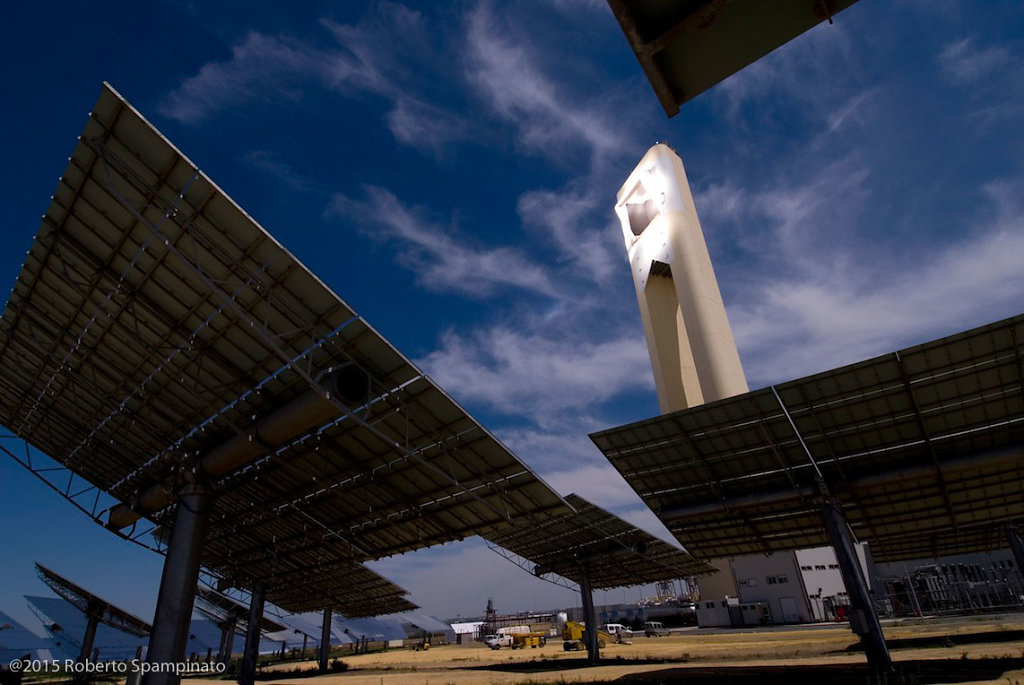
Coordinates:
[402,74]
[852,111]
[579,224]
[794,83]
[268,162]
[538,375]
[261,68]
[441,259]
[992,78]
[645,519]
[459,579]
[560,445]
[599,483]
[808,223]
[802,322]
[550,122]
[569,115]
[425,126]
[264,68]
[964,64]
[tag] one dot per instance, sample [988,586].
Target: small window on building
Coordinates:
[725,604]
[833,566]
[806,568]
[771,580]
[782,578]
[819,567]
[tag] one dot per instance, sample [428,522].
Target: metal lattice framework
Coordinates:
[924,447]
[154,322]
[616,553]
[354,590]
[91,605]
[222,609]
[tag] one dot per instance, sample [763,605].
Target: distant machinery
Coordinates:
[594,549]
[955,586]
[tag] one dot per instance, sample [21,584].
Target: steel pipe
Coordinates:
[325,640]
[311,409]
[247,673]
[589,616]
[863,619]
[171,623]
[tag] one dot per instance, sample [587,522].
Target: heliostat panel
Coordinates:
[615,552]
[155,321]
[924,447]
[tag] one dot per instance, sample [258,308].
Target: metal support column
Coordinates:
[325,640]
[227,642]
[92,621]
[135,676]
[589,618]
[863,619]
[913,592]
[173,617]
[1017,547]
[89,638]
[247,674]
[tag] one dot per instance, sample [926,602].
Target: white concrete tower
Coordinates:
[692,350]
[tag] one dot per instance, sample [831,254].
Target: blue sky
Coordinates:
[450,170]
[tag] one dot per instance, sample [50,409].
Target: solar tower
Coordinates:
[692,350]
[693,353]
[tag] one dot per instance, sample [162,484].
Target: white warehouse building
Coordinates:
[800,586]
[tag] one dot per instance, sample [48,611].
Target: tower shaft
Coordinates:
[693,353]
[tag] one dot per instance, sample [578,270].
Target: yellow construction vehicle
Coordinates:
[517,640]
[533,640]
[574,637]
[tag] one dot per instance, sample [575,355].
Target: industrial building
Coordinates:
[793,586]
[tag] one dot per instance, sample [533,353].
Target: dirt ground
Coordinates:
[964,650]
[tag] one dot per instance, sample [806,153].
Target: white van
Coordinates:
[655,629]
[498,641]
[618,630]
